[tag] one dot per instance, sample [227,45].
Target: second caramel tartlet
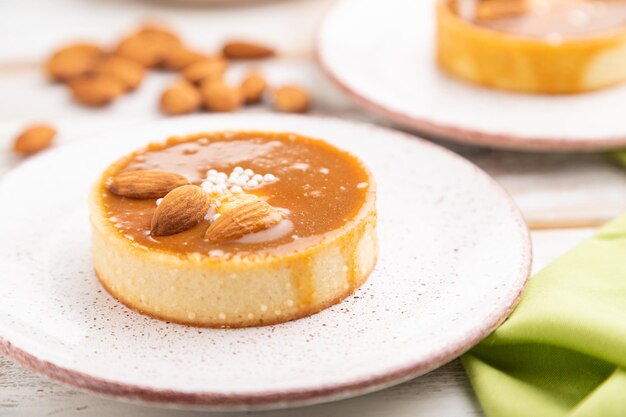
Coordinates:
[573,46]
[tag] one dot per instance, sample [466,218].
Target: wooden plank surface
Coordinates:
[563,197]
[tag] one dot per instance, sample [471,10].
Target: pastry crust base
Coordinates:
[510,62]
[199,290]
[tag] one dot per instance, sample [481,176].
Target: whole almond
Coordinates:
[239,49]
[181,57]
[96,90]
[180,98]
[218,96]
[127,71]
[148,46]
[240,215]
[291,99]
[209,68]
[145,184]
[181,209]
[72,61]
[253,87]
[34,139]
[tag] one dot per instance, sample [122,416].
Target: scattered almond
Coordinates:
[129,72]
[218,96]
[181,209]
[181,57]
[209,68]
[180,98]
[246,50]
[149,46]
[240,215]
[96,77]
[72,61]
[291,99]
[253,87]
[33,139]
[145,184]
[96,90]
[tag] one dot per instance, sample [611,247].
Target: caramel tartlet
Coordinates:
[534,46]
[234,229]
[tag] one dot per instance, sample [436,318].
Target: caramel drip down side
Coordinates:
[302,281]
[349,257]
[349,253]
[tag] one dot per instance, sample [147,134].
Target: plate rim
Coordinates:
[274,399]
[450,132]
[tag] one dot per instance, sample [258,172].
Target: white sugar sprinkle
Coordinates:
[237,181]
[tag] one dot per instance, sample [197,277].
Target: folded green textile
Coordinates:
[563,350]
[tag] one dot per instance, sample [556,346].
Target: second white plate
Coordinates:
[382,53]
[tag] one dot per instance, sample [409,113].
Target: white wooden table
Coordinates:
[563,197]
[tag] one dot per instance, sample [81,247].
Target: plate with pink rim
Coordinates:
[383,55]
[454,259]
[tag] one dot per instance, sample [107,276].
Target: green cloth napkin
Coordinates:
[563,350]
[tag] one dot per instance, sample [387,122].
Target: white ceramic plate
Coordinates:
[382,54]
[454,259]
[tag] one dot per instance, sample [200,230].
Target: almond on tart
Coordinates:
[234,229]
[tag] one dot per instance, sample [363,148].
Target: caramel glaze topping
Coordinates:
[319,189]
[554,20]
